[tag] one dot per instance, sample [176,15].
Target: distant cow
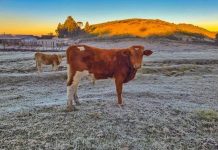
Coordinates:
[120,64]
[47,59]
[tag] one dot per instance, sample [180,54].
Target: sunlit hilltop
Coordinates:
[146,27]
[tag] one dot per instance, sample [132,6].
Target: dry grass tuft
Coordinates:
[169,70]
[208,115]
[95,115]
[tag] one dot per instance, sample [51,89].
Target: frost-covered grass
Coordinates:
[102,125]
[172,104]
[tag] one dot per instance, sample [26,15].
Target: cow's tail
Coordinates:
[69,75]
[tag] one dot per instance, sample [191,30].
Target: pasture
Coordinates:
[171,104]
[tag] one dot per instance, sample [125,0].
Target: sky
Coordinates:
[42,16]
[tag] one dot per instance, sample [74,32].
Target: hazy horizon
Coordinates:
[42,17]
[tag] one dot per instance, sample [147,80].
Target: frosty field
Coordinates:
[171,104]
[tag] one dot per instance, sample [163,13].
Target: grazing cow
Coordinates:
[47,59]
[120,64]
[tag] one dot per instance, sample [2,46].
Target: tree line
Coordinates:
[71,28]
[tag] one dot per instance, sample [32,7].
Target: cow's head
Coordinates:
[136,54]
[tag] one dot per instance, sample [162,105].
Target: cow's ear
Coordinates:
[126,52]
[147,52]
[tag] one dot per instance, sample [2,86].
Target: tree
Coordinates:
[61,31]
[216,39]
[71,26]
[68,29]
[87,26]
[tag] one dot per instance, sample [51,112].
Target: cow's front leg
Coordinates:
[39,67]
[54,67]
[119,88]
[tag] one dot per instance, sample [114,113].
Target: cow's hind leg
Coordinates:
[76,80]
[72,86]
[92,78]
[76,98]
[70,89]
[39,67]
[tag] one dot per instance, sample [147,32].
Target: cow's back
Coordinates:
[99,62]
[46,58]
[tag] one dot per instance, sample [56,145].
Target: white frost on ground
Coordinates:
[177,81]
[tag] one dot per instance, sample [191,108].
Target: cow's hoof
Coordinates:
[76,99]
[72,108]
[77,103]
[120,105]
[69,109]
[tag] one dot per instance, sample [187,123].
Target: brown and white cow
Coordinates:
[120,64]
[47,59]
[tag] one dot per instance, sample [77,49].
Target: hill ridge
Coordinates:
[146,27]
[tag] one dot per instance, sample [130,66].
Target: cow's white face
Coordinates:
[136,55]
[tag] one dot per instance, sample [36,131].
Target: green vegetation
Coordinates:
[68,29]
[208,115]
[168,70]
